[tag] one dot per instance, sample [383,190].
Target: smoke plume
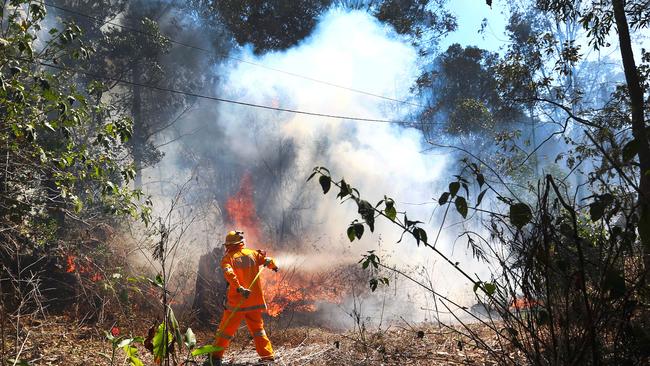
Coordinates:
[225,145]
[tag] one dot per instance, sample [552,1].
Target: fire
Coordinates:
[241,210]
[71,265]
[299,292]
[522,303]
[83,266]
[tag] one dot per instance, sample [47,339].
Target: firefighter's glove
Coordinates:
[244,292]
[268,262]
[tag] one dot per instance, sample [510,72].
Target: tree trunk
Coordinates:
[137,143]
[210,289]
[638,124]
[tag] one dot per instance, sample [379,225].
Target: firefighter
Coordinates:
[245,299]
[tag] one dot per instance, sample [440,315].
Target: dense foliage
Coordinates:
[64,164]
[63,151]
[279,24]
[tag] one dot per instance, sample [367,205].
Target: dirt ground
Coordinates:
[62,342]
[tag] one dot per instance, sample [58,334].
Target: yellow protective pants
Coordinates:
[228,327]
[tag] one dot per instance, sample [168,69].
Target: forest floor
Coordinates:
[60,341]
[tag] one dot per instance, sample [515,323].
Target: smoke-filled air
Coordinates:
[384,182]
[270,154]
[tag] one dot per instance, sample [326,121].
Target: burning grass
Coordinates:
[299,291]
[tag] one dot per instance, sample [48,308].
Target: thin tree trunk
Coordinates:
[638,123]
[136,111]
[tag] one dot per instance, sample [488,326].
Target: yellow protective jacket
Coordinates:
[240,267]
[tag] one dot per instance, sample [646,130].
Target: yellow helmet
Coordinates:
[234,237]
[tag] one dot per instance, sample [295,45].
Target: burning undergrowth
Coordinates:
[302,292]
[298,287]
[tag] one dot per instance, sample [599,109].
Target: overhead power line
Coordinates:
[225,55]
[230,101]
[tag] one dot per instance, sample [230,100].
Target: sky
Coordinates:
[470,14]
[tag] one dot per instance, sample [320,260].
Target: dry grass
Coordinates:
[62,342]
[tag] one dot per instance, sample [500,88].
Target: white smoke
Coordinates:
[350,49]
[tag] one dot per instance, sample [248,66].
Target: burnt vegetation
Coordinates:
[550,189]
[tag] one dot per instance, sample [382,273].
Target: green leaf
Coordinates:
[77,203]
[481,179]
[391,212]
[374,260]
[358,230]
[351,232]
[190,339]
[125,342]
[490,288]
[596,210]
[420,235]
[480,197]
[477,284]
[630,150]
[461,206]
[159,281]
[520,214]
[443,198]
[325,183]
[37,11]
[345,189]
[311,176]
[109,336]
[112,188]
[178,336]
[132,355]
[373,284]
[600,204]
[367,212]
[453,188]
[209,348]
[160,347]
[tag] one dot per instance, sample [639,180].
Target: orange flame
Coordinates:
[299,293]
[71,265]
[241,210]
[522,303]
[85,266]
